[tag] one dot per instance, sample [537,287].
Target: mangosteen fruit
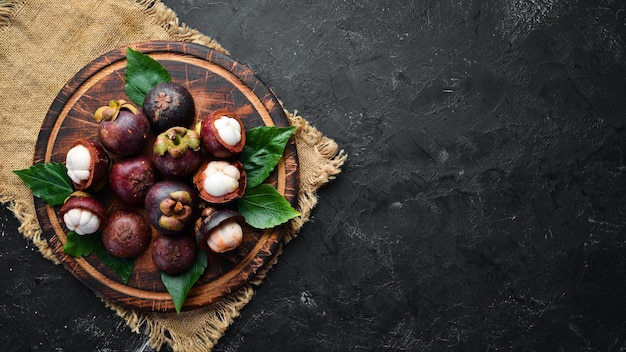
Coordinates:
[220,230]
[123,129]
[170,206]
[87,164]
[131,178]
[174,254]
[220,181]
[127,233]
[223,134]
[168,104]
[177,152]
[83,213]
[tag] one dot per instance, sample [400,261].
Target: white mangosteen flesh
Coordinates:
[78,162]
[81,221]
[225,237]
[228,129]
[221,178]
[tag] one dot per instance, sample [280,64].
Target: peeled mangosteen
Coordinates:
[123,129]
[220,230]
[174,254]
[170,206]
[220,181]
[83,213]
[131,178]
[223,134]
[168,105]
[87,164]
[127,233]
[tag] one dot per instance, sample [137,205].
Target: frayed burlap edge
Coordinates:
[221,314]
[308,136]
[167,19]
[8,10]
[218,316]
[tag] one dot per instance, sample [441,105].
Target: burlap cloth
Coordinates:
[42,45]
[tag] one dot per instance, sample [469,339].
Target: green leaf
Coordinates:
[263,207]
[48,181]
[264,147]
[80,245]
[121,266]
[142,73]
[179,285]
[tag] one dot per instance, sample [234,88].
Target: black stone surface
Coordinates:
[482,207]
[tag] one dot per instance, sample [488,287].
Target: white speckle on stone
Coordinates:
[307,300]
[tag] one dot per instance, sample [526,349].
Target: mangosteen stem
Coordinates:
[111,111]
[176,141]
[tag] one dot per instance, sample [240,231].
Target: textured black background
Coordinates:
[482,204]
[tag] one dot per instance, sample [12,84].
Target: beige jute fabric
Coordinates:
[42,45]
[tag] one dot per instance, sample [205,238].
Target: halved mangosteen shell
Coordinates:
[199,177]
[211,140]
[213,221]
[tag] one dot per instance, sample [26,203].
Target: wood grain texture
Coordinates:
[216,81]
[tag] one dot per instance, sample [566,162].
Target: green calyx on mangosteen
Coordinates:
[177,152]
[170,206]
[123,129]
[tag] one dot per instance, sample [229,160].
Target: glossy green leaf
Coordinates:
[179,285]
[142,73]
[121,266]
[264,148]
[263,207]
[48,181]
[80,245]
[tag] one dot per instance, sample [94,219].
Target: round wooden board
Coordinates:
[215,81]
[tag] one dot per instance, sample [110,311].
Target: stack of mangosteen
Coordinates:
[188,215]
